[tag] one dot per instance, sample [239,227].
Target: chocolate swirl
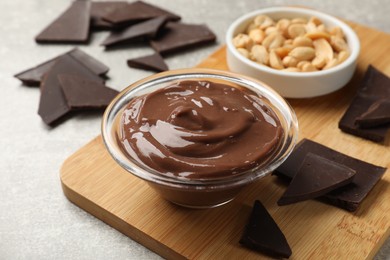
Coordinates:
[199,129]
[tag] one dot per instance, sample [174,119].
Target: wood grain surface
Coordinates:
[93,181]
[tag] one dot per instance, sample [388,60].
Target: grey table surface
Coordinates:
[36,220]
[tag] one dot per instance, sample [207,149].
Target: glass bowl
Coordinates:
[198,192]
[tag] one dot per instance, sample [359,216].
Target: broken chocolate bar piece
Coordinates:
[33,76]
[178,36]
[263,234]
[148,29]
[82,93]
[152,62]
[316,177]
[359,105]
[52,104]
[375,86]
[90,62]
[351,195]
[71,26]
[376,115]
[137,11]
[101,9]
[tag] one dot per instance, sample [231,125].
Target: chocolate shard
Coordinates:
[52,104]
[71,26]
[137,11]
[147,29]
[316,177]
[347,124]
[101,9]
[351,195]
[90,62]
[263,234]
[33,76]
[375,86]
[152,62]
[82,93]
[376,115]
[178,36]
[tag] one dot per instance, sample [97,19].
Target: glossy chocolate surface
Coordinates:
[199,129]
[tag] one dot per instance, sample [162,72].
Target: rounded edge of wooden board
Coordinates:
[106,216]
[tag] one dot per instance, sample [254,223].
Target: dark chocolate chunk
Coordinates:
[137,11]
[70,26]
[375,86]
[178,36]
[152,62]
[263,234]
[146,29]
[90,62]
[359,105]
[33,76]
[52,104]
[316,177]
[377,114]
[82,93]
[100,9]
[351,195]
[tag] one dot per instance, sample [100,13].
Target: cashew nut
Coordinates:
[242,41]
[302,41]
[323,49]
[257,35]
[302,53]
[295,30]
[275,61]
[274,40]
[259,53]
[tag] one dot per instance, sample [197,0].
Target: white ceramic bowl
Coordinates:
[294,84]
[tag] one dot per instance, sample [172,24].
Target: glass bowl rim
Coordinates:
[153,176]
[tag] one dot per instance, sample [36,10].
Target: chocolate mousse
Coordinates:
[199,130]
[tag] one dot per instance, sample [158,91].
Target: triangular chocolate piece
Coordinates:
[100,9]
[316,177]
[178,36]
[152,62]
[359,105]
[348,197]
[137,11]
[374,86]
[376,115]
[70,26]
[52,104]
[263,234]
[90,62]
[82,93]
[33,76]
[148,29]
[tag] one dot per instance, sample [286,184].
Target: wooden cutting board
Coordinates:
[94,182]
